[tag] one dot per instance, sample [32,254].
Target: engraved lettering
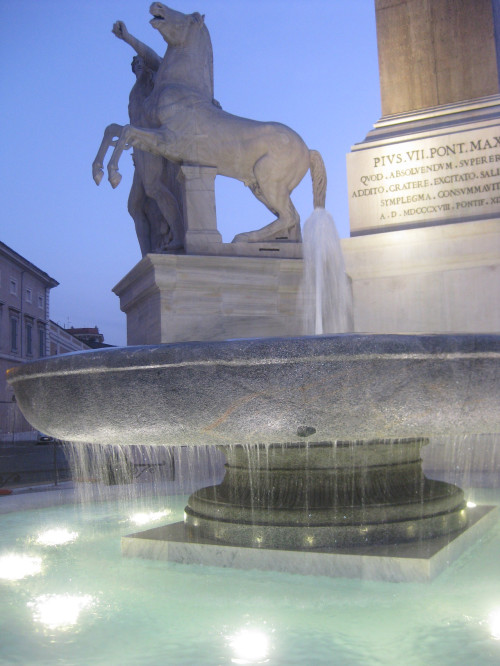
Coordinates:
[444,151]
[395,158]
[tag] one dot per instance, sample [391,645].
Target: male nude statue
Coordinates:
[155,200]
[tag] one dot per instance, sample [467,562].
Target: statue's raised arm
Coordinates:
[150,57]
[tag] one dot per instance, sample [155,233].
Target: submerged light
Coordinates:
[56,537]
[494,622]
[17,566]
[59,611]
[148,516]
[250,646]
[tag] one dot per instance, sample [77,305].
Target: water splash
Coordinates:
[136,472]
[325,297]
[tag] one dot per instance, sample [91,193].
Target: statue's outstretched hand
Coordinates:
[120,30]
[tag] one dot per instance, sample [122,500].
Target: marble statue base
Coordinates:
[178,298]
[419,561]
[436,279]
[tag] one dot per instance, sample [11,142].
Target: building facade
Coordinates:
[62,340]
[26,332]
[91,337]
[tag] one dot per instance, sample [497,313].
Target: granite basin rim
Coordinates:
[266,391]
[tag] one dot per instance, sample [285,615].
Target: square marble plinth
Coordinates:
[411,562]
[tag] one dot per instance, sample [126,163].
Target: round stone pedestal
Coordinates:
[325,495]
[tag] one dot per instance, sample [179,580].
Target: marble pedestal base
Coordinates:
[177,298]
[419,561]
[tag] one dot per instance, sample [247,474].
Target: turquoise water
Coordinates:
[88,605]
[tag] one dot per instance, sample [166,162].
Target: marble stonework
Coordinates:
[425,168]
[433,279]
[434,156]
[413,562]
[433,53]
[177,298]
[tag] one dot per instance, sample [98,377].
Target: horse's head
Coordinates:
[174,26]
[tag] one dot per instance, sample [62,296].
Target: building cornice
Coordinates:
[11,254]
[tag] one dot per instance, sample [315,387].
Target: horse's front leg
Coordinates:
[114,176]
[111,131]
[151,141]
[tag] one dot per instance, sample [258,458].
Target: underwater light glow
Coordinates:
[148,516]
[249,646]
[59,611]
[56,537]
[17,566]
[494,622]
[471,505]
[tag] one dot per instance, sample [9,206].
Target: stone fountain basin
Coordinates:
[266,391]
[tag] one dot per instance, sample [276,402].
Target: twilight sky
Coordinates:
[311,65]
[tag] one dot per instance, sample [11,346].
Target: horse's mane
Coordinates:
[208,39]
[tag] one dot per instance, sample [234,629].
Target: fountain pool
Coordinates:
[89,605]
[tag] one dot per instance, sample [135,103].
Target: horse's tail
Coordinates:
[318,175]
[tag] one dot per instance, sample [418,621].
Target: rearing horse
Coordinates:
[268,157]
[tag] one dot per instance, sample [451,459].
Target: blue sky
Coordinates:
[311,65]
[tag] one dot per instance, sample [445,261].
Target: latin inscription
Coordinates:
[430,180]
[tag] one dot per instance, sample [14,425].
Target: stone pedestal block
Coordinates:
[174,298]
[415,562]
[198,191]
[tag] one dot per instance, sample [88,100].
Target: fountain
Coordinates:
[323,438]
[322,435]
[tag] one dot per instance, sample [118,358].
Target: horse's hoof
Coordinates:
[267,235]
[295,234]
[259,237]
[97,176]
[115,179]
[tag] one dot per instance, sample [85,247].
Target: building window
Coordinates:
[29,295]
[29,338]
[40,301]
[41,341]
[13,286]
[14,326]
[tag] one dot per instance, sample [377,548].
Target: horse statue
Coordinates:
[185,126]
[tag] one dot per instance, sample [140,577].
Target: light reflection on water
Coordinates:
[16,566]
[59,611]
[146,517]
[56,536]
[89,605]
[494,622]
[249,646]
